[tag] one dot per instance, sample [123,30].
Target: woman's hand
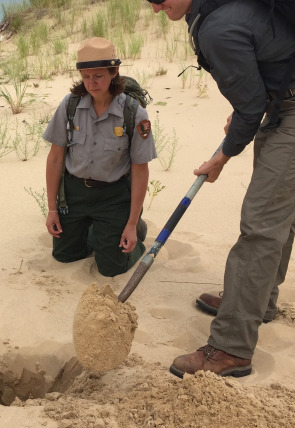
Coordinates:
[128,239]
[53,224]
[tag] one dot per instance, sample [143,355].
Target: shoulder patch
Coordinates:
[144,128]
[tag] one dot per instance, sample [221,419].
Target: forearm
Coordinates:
[139,183]
[53,174]
[240,133]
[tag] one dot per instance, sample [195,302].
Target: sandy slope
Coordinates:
[39,296]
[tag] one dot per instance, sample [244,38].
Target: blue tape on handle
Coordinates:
[185,201]
[163,236]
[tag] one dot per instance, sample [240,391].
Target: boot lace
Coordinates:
[209,351]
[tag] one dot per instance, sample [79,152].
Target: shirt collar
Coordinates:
[116,106]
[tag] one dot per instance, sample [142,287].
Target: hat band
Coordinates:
[98,64]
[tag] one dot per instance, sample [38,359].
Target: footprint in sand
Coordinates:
[179,329]
[180,256]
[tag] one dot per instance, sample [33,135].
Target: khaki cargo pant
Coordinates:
[258,262]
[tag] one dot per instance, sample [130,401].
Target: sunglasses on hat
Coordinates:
[156,1]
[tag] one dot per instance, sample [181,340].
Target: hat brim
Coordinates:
[98,64]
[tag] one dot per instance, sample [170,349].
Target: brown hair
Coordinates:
[116,87]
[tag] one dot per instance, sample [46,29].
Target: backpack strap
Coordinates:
[71,110]
[129,112]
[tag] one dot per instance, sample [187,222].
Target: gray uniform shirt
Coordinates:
[98,152]
[246,60]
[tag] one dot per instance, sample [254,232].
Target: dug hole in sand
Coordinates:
[103,329]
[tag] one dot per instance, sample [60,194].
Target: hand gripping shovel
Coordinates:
[149,258]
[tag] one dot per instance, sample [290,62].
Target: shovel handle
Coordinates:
[149,258]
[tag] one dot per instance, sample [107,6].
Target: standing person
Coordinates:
[246,49]
[106,175]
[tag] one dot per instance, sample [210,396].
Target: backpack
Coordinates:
[135,96]
[285,8]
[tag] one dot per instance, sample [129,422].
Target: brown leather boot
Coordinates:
[210,303]
[211,359]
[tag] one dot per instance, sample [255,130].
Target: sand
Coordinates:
[103,329]
[42,382]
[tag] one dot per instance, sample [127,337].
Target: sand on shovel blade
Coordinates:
[103,329]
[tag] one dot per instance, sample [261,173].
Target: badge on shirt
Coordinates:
[144,128]
[118,130]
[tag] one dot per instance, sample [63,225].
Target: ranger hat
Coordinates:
[97,53]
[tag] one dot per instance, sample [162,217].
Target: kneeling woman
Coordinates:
[106,175]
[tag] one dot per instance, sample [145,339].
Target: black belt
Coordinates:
[289,94]
[89,182]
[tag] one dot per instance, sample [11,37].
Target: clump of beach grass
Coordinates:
[21,97]
[123,14]
[5,141]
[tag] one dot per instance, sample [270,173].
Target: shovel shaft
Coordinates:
[149,258]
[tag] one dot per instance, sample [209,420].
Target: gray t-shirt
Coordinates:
[101,148]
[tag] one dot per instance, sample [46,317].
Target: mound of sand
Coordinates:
[147,395]
[103,329]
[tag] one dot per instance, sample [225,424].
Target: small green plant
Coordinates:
[135,45]
[21,98]
[38,36]
[183,75]
[202,85]
[40,198]
[23,46]
[161,140]
[161,103]
[154,189]
[27,142]
[59,46]
[5,143]
[161,71]
[171,149]
[45,118]
[123,14]
[171,50]
[120,42]
[143,78]
[166,145]
[15,68]
[98,25]
[84,28]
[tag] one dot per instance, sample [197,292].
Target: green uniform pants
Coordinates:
[258,262]
[96,219]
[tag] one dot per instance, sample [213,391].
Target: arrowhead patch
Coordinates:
[144,128]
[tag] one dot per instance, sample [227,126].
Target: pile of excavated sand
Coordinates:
[103,329]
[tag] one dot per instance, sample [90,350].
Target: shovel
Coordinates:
[149,258]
